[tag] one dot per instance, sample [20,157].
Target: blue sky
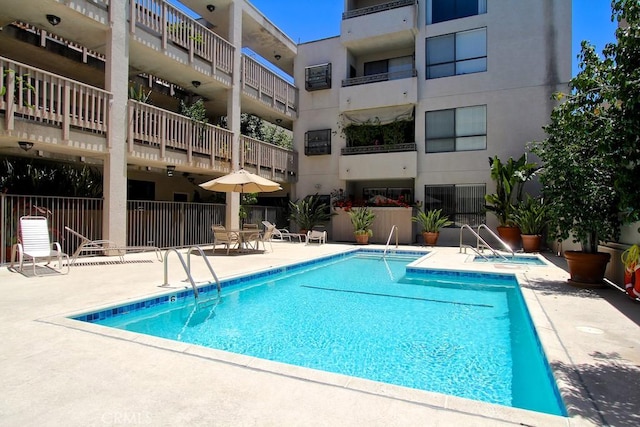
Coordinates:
[307,20]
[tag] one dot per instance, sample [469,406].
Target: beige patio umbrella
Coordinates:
[241,181]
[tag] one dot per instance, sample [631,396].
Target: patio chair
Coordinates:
[223,237]
[35,244]
[266,237]
[316,236]
[104,246]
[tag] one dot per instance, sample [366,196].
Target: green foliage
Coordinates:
[373,133]
[196,111]
[592,151]
[309,212]
[22,80]
[27,177]
[137,93]
[362,219]
[531,216]
[431,221]
[510,178]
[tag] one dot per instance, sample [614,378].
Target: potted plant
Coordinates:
[631,261]
[308,213]
[362,219]
[531,217]
[510,178]
[431,222]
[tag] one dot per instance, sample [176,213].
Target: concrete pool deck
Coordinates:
[56,371]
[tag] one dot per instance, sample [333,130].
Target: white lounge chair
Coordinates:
[316,236]
[104,246]
[35,244]
[282,233]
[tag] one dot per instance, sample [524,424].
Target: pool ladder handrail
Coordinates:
[386,248]
[482,244]
[187,268]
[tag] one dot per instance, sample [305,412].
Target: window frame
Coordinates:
[455,137]
[315,144]
[456,62]
[458,215]
[317,77]
[481,8]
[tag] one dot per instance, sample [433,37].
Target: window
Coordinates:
[317,142]
[462,203]
[455,54]
[317,77]
[401,67]
[446,10]
[459,129]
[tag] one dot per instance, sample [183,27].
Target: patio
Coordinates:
[58,371]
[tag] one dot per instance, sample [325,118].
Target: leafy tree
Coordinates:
[592,153]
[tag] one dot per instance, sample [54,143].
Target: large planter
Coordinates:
[585,269]
[531,242]
[362,239]
[510,235]
[430,239]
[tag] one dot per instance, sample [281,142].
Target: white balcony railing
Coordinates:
[36,95]
[264,157]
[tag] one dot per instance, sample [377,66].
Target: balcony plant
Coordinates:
[531,217]
[509,178]
[431,222]
[309,212]
[362,219]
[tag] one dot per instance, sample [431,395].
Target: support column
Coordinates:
[233,109]
[114,226]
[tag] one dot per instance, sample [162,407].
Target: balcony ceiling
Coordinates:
[386,42]
[74,26]
[258,33]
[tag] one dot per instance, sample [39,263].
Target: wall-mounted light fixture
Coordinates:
[278,121]
[170,170]
[25,145]
[318,186]
[196,83]
[277,56]
[53,19]
[211,7]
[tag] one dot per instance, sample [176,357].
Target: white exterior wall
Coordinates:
[528,58]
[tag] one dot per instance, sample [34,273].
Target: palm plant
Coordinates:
[309,212]
[531,216]
[431,221]
[362,219]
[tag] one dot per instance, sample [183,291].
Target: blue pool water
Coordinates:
[511,259]
[465,334]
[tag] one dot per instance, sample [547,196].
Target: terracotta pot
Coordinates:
[531,242]
[586,270]
[430,239]
[510,235]
[362,239]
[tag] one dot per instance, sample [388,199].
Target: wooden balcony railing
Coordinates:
[154,127]
[172,25]
[263,157]
[162,129]
[263,84]
[35,95]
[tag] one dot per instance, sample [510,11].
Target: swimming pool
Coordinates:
[414,328]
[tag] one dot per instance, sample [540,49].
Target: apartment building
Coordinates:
[441,86]
[75,76]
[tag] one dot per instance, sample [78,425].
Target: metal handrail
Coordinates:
[495,236]
[187,268]
[393,228]
[486,245]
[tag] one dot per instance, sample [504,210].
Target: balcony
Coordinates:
[268,89]
[268,160]
[386,26]
[60,113]
[379,165]
[379,90]
[159,27]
